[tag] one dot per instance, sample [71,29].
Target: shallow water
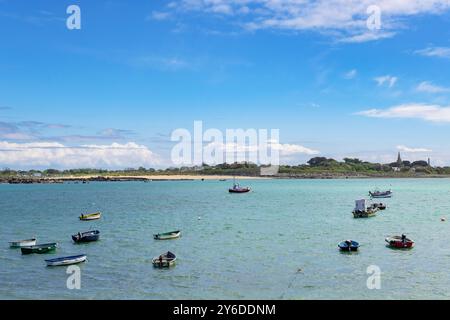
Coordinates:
[245,246]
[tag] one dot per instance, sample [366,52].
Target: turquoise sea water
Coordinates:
[245,246]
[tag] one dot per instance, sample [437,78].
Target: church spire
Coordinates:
[399,160]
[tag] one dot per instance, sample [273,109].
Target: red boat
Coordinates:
[400,242]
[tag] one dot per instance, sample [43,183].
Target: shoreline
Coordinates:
[190,177]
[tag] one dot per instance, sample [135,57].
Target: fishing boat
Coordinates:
[380,194]
[399,242]
[65,261]
[363,211]
[90,216]
[348,245]
[237,188]
[40,248]
[380,206]
[167,235]
[165,260]
[22,243]
[87,236]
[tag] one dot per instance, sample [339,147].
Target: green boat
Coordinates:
[167,235]
[41,248]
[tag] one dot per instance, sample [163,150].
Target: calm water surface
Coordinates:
[245,246]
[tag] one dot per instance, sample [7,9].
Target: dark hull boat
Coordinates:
[88,236]
[41,248]
[379,206]
[238,189]
[381,194]
[165,260]
[348,245]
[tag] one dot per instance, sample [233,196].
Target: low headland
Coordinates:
[316,168]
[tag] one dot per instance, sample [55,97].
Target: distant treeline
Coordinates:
[317,165]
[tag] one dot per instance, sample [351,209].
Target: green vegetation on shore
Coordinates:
[315,167]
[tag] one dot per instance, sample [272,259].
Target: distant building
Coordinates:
[429,162]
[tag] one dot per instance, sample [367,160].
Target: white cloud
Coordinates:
[284,149]
[159,15]
[442,52]
[344,19]
[350,74]
[367,36]
[413,150]
[57,155]
[428,87]
[431,113]
[389,80]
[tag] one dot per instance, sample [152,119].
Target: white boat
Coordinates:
[167,235]
[22,243]
[65,261]
[165,260]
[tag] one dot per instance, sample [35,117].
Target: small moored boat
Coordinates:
[380,206]
[87,236]
[90,216]
[167,235]
[238,189]
[165,260]
[40,248]
[348,245]
[22,243]
[399,242]
[363,211]
[65,261]
[380,194]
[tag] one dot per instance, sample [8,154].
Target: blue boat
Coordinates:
[348,245]
[65,261]
[87,236]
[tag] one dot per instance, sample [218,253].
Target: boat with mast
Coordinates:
[237,188]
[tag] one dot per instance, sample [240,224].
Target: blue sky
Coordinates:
[111,93]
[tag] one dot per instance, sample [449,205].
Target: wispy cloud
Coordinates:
[441,52]
[390,81]
[162,63]
[25,130]
[428,87]
[344,21]
[413,150]
[285,149]
[57,155]
[431,113]
[159,15]
[39,18]
[367,36]
[350,74]
[39,131]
